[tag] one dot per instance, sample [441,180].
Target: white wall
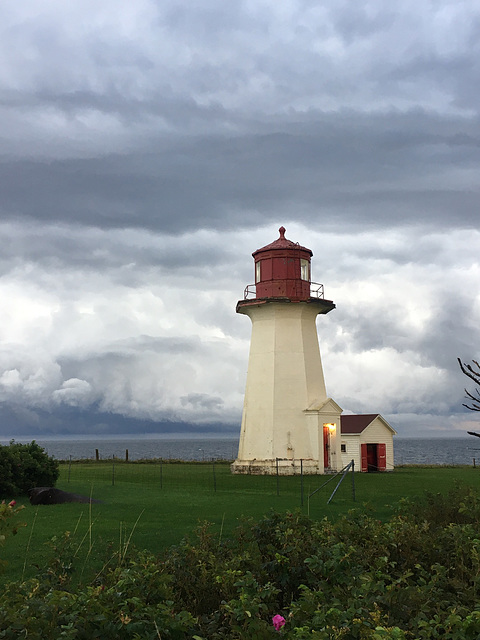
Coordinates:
[353,451]
[284,378]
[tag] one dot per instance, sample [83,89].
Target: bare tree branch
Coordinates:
[472,372]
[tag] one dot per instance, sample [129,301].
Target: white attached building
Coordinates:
[368,441]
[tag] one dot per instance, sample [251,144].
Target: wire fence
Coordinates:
[194,477]
[211,483]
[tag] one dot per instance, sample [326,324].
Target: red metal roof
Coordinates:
[356,424]
[282,243]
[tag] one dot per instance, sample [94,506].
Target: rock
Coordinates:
[51,495]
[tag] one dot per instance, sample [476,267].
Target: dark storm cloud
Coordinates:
[148,148]
[365,171]
[65,421]
[124,349]
[202,400]
[58,246]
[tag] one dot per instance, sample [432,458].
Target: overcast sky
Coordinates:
[148,148]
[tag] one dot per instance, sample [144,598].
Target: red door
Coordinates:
[374,457]
[382,457]
[326,446]
[364,457]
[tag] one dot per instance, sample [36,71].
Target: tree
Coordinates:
[473,372]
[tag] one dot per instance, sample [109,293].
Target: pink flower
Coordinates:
[12,503]
[278,622]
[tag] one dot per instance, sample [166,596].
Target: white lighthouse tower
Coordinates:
[289,423]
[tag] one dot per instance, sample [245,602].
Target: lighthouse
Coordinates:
[289,424]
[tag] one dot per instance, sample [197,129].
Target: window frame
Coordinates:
[304,270]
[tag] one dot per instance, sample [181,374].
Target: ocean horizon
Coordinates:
[460,450]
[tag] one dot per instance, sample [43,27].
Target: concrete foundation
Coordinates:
[284,467]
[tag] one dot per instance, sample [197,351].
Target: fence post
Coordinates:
[353,480]
[126,455]
[301,481]
[97,455]
[278,487]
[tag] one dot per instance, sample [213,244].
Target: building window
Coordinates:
[343,448]
[304,270]
[257,272]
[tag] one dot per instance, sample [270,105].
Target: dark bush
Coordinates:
[24,466]
[461,505]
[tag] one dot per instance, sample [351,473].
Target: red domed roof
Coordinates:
[282,243]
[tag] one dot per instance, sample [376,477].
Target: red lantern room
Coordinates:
[282,270]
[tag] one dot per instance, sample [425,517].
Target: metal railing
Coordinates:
[316,291]
[250,291]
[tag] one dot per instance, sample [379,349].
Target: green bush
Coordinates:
[8,523]
[461,505]
[413,577]
[24,466]
[130,601]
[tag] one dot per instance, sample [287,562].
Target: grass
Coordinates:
[153,506]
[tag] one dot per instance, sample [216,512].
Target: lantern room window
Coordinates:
[304,270]
[257,272]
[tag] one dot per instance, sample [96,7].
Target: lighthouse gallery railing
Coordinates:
[316,291]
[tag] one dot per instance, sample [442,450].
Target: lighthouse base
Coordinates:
[277,466]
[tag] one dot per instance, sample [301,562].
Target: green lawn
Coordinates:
[159,504]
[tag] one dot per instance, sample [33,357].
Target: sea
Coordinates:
[435,451]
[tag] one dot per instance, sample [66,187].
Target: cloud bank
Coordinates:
[148,149]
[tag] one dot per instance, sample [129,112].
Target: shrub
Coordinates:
[130,601]
[354,579]
[461,505]
[24,466]
[8,524]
